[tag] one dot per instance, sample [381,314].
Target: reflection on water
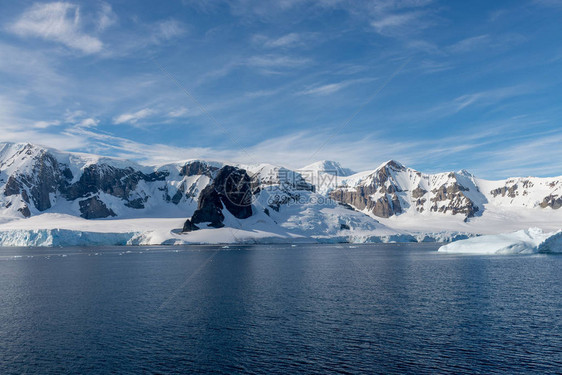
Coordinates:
[278,309]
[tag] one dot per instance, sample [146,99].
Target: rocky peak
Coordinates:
[197,167]
[378,193]
[394,165]
[231,189]
[393,189]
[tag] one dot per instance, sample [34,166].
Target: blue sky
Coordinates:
[436,85]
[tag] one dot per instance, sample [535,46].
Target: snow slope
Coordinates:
[52,198]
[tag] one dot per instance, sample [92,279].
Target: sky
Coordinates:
[436,85]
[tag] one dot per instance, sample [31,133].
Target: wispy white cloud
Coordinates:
[493,42]
[72,116]
[522,154]
[331,88]
[178,112]
[293,150]
[262,9]
[488,97]
[285,41]
[277,61]
[168,29]
[482,99]
[401,18]
[393,23]
[106,18]
[535,155]
[59,22]
[45,124]
[14,128]
[88,123]
[134,117]
[262,93]
[28,72]
[468,44]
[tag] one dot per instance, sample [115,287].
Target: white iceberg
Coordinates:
[528,241]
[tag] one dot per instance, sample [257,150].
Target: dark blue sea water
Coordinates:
[278,309]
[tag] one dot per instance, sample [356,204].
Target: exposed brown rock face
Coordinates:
[382,194]
[387,205]
[503,191]
[418,192]
[452,199]
[552,201]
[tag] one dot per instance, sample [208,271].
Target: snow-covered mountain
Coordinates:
[47,195]
[393,189]
[329,167]
[36,179]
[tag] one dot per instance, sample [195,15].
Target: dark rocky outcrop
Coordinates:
[47,178]
[418,192]
[231,189]
[385,207]
[94,208]
[235,189]
[50,178]
[452,199]
[552,201]
[12,187]
[209,208]
[118,182]
[188,226]
[197,168]
[503,191]
[136,203]
[381,182]
[382,194]
[25,211]
[41,183]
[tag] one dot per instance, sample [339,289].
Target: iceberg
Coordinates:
[528,241]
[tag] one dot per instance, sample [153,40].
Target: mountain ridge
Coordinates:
[391,198]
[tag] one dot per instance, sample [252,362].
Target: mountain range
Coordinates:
[42,188]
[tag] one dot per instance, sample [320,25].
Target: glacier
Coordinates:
[65,237]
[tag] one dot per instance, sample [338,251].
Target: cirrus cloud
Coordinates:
[132,118]
[58,22]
